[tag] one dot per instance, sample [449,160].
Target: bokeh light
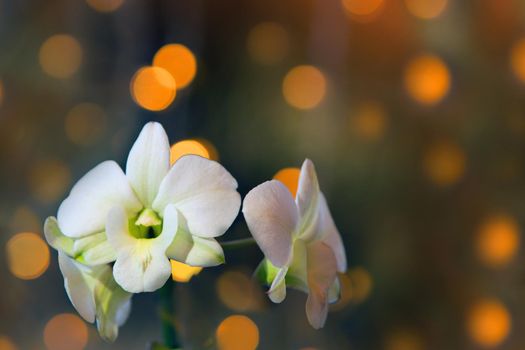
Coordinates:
[369,121]
[488,322]
[153,88]
[444,163]
[181,272]
[237,332]
[268,43]
[362,283]
[362,10]
[27,255]
[517,59]
[65,332]
[427,79]
[346,293]
[239,292]
[60,56]
[290,178]
[6,343]
[48,179]
[404,339]
[105,5]
[85,124]
[185,147]
[304,87]
[498,240]
[23,219]
[426,9]
[179,61]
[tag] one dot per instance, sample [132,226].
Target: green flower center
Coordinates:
[146,225]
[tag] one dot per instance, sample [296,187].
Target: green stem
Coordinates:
[169,332]
[238,243]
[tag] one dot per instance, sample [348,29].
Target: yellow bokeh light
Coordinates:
[65,332]
[27,255]
[179,61]
[290,178]
[24,219]
[427,79]
[362,283]
[404,339]
[153,88]
[85,123]
[239,292]
[488,322]
[517,59]
[426,9]
[268,43]
[362,10]
[444,163]
[346,292]
[60,56]
[105,5]
[370,121]
[48,179]
[185,147]
[498,240]
[6,343]
[304,87]
[181,272]
[237,332]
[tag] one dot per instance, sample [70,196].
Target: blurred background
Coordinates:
[413,112]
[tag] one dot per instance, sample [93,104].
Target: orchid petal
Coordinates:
[322,268]
[330,234]
[297,272]
[101,253]
[84,211]
[79,282]
[148,162]
[307,199]
[56,239]
[204,192]
[193,250]
[277,291]
[271,215]
[142,264]
[113,306]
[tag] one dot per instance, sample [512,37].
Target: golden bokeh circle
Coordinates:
[237,332]
[290,178]
[426,9]
[369,121]
[304,87]
[60,56]
[6,343]
[27,255]
[153,88]
[498,240]
[181,272]
[268,43]
[179,61]
[186,147]
[517,59]
[48,179]
[488,322]
[105,5]
[238,291]
[427,79]
[444,163]
[85,124]
[65,332]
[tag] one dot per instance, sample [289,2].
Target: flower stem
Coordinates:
[238,243]
[167,305]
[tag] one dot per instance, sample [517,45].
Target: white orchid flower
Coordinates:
[152,213]
[92,290]
[302,246]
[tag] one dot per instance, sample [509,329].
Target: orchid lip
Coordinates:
[146,225]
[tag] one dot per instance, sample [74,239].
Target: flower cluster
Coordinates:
[116,232]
